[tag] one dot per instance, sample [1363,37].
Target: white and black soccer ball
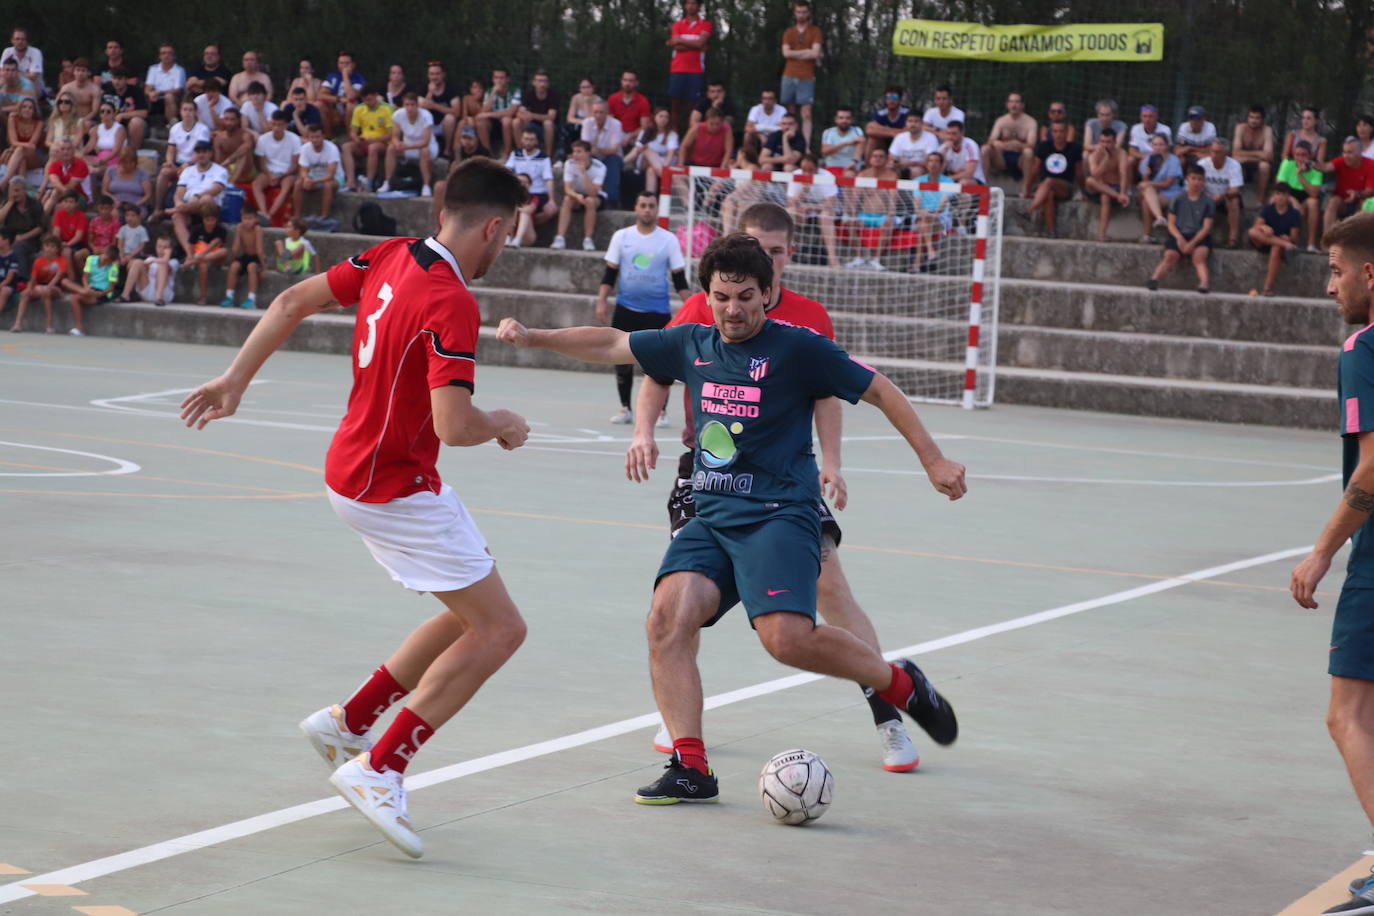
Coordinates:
[796,787]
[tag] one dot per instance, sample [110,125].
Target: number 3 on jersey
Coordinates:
[370,345]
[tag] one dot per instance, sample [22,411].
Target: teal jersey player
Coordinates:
[1355,393]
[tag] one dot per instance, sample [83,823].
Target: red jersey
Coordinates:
[77,168]
[629,113]
[690,61]
[68,223]
[1360,178]
[416,330]
[103,232]
[45,271]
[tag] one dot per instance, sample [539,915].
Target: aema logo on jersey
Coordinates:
[642,261]
[758,367]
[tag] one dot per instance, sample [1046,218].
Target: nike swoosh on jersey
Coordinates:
[701,362]
[777,591]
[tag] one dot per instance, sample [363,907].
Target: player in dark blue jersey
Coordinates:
[756,536]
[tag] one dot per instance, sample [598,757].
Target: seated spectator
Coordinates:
[739,196]
[910,150]
[132,237]
[340,93]
[1276,231]
[1058,111]
[72,228]
[102,227]
[300,113]
[152,278]
[114,60]
[412,140]
[29,58]
[23,218]
[211,67]
[256,110]
[939,116]
[182,138]
[66,74]
[1304,182]
[45,283]
[499,105]
[368,134]
[9,270]
[99,283]
[1013,135]
[655,149]
[1059,162]
[1106,112]
[105,141]
[165,84]
[470,106]
[277,153]
[441,102]
[765,117]
[709,143]
[1309,132]
[1224,179]
[63,124]
[579,110]
[1190,230]
[307,80]
[963,163]
[200,185]
[889,120]
[131,106]
[843,145]
[212,104]
[522,230]
[295,253]
[631,108]
[251,73]
[1354,183]
[873,208]
[466,148]
[1109,171]
[1139,145]
[208,247]
[396,87]
[24,129]
[539,109]
[1160,181]
[785,147]
[14,88]
[84,91]
[532,163]
[318,167]
[246,255]
[817,200]
[583,177]
[715,97]
[234,147]
[605,136]
[66,173]
[1253,148]
[1194,136]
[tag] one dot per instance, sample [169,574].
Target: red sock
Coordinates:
[901,688]
[400,742]
[692,753]
[371,700]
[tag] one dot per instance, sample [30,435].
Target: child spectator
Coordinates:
[1190,228]
[582,180]
[151,278]
[45,282]
[132,237]
[1109,172]
[1253,148]
[246,256]
[413,140]
[368,132]
[99,283]
[104,225]
[182,138]
[278,153]
[531,162]
[317,167]
[1225,178]
[1276,230]
[1161,180]
[66,174]
[1304,181]
[9,269]
[295,253]
[206,247]
[72,228]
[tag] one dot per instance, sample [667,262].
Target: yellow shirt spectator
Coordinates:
[373,123]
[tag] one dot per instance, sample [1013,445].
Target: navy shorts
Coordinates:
[689,86]
[1352,635]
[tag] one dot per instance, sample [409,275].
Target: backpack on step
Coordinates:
[372,220]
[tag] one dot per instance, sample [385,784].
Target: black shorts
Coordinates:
[244,260]
[539,200]
[1298,194]
[1171,244]
[682,506]
[1013,164]
[627,319]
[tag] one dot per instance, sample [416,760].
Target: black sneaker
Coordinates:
[679,784]
[928,709]
[1361,901]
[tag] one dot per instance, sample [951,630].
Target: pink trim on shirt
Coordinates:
[1352,415]
[1350,341]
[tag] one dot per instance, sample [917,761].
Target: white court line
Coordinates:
[1324,478]
[120,465]
[193,841]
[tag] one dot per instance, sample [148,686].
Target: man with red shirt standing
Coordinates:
[413,364]
[687,73]
[631,108]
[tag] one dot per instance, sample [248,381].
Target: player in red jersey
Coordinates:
[772,226]
[413,351]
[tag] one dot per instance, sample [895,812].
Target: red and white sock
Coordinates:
[369,701]
[398,744]
[692,753]
[901,688]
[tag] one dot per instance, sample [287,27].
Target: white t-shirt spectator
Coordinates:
[1140,140]
[610,135]
[184,141]
[956,159]
[415,132]
[317,163]
[278,153]
[537,166]
[765,122]
[847,156]
[161,80]
[197,182]
[822,188]
[203,109]
[645,262]
[1221,180]
[260,122]
[31,65]
[579,181]
[663,145]
[1186,135]
[936,121]
[903,147]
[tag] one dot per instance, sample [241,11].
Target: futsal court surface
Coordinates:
[1141,701]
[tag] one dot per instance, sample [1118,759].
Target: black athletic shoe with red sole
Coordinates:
[928,709]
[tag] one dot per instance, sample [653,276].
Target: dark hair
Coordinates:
[370,89]
[891,89]
[769,217]
[650,133]
[409,97]
[480,188]
[7,235]
[720,83]
[1193,168]
[809,156]
[1280,186]
[81,62]
[256,86]
[210,210]
[299,225]
[958,124]
[1302,144]
[1355,235]
[630,71]
[805,3]
[736,257]
[1365,119]
[581,144]
[944,87]
[103,199]
[652,195]
[249,210]
[214,84]
[280,115]
[52,240]
[296,89]
[314,126]
[840,108]
[1106,132]
[70,195]
[119,71]
[936,152]
[1254,108]
[131,208]
[752,148]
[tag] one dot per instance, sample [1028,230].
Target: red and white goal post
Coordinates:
[909,270]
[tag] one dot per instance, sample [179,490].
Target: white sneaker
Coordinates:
[559,243]
[663,742]
[857,264]
[426,191]
[385,188]
[588,245]
[329,735]
[624,418]
[663,420]
[77,332]
[875,264]
[899,754]
[381,798]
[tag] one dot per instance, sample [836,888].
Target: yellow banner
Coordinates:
[1030,43]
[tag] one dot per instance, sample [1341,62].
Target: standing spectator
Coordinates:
[801,51]
[1304,182]
[256,110]
[656,148]
[201,184]
[1254,149]
[639,261]
[1058,111]
[24,128]
[765,117]
[1309,132]
[606,138]
[939,116]
[84,91]
[889,120]
[45,282]
[874,208]
[715,97]
[1194,136]
[208,246]
[583,177]
[539,110]
[251,73]
[14,88]
[132,237]
[99,283]
[182,138]
[70,225]
[234,147]
[709,143]
[1109,170]
[64,124]
[114,58]
[689,39]
[165,84]
[785,147]
[300,112]
[631,108]
[1106,111]
[441,102]
[1354,183]
[962,161]
[1161,180]
[246,255]
[29,59]
[277,152]
[1013,135]
[1223,180]
[151,278]
[1276,232]
[307,80]
[394,92]
[24,220]
[533,163]
[499,105]
[842,146]
[131,106]
[412,139]
[1060,164]
[211,67]
[66,173]
[1139,144]
[318,165]
[368,134]
[340,94]
[910,150]
[211,105]
[105,141]
[1191,215]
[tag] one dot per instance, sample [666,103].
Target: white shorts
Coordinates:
[427,541]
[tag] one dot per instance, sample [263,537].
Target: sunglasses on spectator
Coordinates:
[64,101]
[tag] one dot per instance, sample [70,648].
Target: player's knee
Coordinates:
[787,644]
[510,635]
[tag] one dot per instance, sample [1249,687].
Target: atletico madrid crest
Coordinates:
[758,367]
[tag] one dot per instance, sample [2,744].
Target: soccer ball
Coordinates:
[796,787]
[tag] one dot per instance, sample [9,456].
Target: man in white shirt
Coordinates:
[1138,145]
[165,83]
[606,136]
[277,152]
[318,165]
[962,161]
[939,115]
[200,184]
[1223,179]
[842,145]
[1194,136]
[766,117]
[412,138]
[212,104]
[910,148]
[182,138]
[532,162]
[257,111]
[30,60]
[582,179]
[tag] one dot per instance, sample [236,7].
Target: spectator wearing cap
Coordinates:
[467,146]
[277,152]
[1304,181]
[1105,111]
[369,130]
[165,83]
[201,184]
[606,137]
[1138,144]
[1223,179]
[1253,147]
[889,119]
[1194,136]
[631,108]
[211,66]
[251,73]
[340,93]
[1354,182]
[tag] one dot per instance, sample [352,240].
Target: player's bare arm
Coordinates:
[457,421]
[591,345]
[220,398]
[829,424]
[1352,512]
[945,475]
[642,455]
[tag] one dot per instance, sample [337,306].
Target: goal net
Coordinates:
[907,269]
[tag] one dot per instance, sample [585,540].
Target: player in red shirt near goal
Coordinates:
[413,352]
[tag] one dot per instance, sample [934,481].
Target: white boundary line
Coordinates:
[120,465]
[156,852]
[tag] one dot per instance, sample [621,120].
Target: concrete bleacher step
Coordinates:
[415,216]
